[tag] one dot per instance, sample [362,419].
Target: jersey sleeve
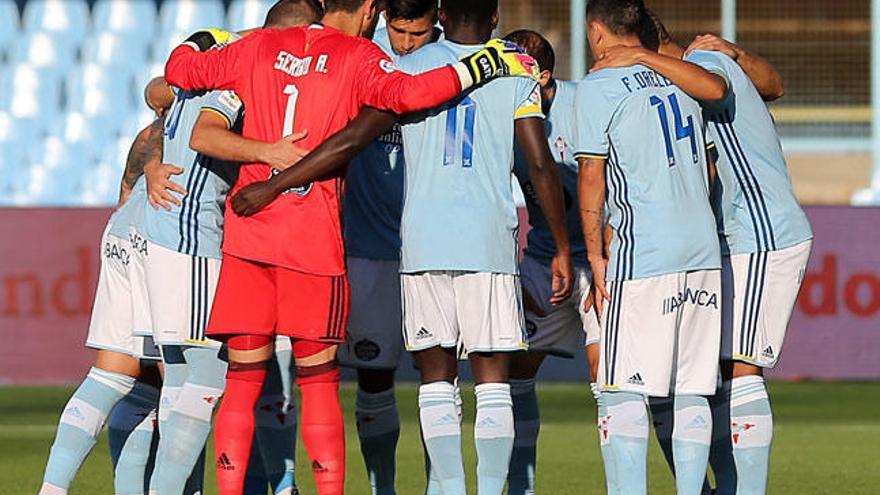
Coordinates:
[190,69]
[380,84]
[711,61]
[593,117]
[529,99]
[226,104]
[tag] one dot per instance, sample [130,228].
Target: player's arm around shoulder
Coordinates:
[767,80]
[204,61]
[213,136]
[694,80]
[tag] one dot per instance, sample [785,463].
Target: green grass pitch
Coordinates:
[827,442]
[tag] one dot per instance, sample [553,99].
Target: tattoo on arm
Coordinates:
[147,146]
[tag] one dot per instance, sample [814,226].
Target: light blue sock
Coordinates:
[275,431]
[527,424]
[378,426]
[441,431]
[182,442]
[433,487]
[604,448]
[172,380]
[691,439]
[663,418]
[623,428]
[81,422]
[131,430]
[751,426]
[493,435]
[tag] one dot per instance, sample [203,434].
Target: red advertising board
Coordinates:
[50,266]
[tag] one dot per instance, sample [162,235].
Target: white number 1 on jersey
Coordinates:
[292,95]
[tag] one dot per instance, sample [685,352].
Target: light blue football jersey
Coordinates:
[561,133]
[196,226]
[757,208]
[459,212]
[653,138]
[131,213]
[373,201]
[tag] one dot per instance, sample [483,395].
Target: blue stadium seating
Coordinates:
[44,51]
[135,18]
[115,49]
[95,131]
[9,26]
[163,45]
[246,14]
[96,89]
[27,92]
[66,19]
[188,15]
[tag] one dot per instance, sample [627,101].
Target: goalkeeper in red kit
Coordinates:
[283,268]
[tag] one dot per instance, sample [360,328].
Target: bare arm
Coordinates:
[212,137]
[158,95]
[765,77]
[697,82]
[138,155]
[324,161]
[591,197]
[545,179]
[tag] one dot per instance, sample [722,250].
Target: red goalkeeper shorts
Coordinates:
[258,299]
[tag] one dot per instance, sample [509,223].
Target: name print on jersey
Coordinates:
[298,67]
[644,80]
[697,297]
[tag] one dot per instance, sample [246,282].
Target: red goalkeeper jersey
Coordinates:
[311,78]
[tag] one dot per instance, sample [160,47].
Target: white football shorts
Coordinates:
[662,335]
[142,319]
[478,311]
[181,289]
[374,340]
[112,314]
[759,291]
[558,330]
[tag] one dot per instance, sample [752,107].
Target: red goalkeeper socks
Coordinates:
[322,427]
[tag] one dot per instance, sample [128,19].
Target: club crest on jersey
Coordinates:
[697,297]
[387,65]
[301,190]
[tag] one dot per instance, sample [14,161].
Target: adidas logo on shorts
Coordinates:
[768,352]
[636,380]
[423,333]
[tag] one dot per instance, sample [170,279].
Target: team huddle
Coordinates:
[318,193]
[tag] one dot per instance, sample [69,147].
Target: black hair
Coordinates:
[622,17]
[536,46]
[342,5]
[410,9]
[654,33]
[294,11]
[469,11]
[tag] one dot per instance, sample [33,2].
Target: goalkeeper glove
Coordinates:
[498,58]
[206,39]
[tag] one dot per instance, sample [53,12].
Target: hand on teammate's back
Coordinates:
[284,153]
[619,56]
[713,43]
[563,278]
[160,186]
